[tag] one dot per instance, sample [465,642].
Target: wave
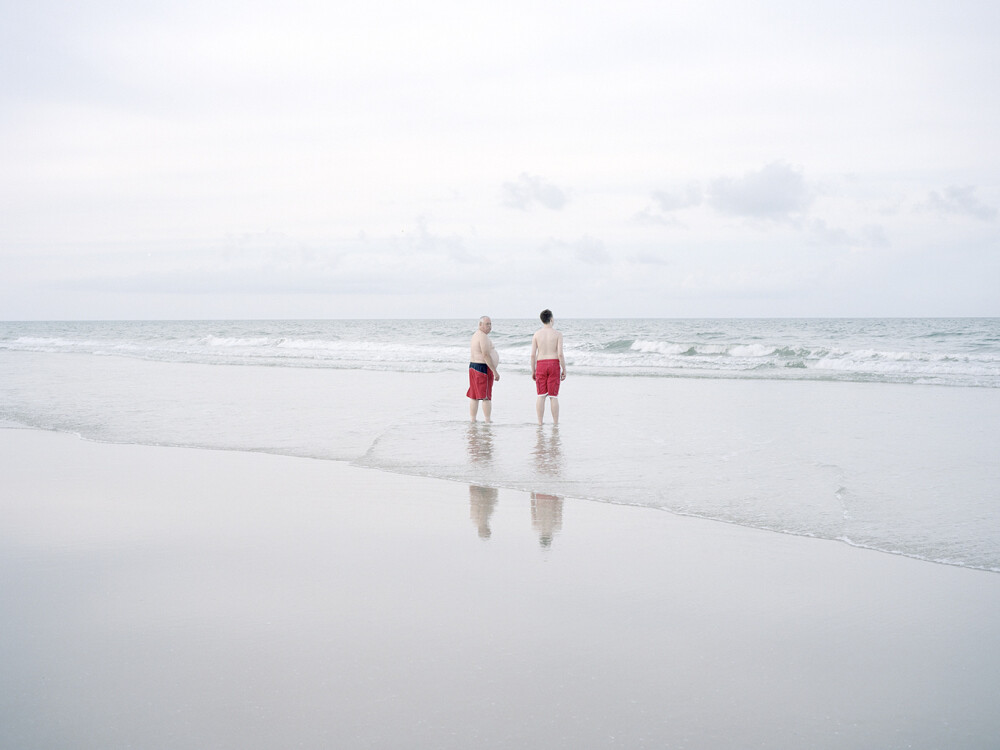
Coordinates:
[241,342]
[821,361]
[908,351]
[682,350]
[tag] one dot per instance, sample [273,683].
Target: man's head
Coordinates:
[485,324]
[546,316]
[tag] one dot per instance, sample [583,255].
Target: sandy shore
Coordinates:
[174,598]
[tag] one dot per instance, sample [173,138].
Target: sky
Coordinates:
[198,159]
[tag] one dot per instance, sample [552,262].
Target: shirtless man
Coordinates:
[548,366]
[483,364]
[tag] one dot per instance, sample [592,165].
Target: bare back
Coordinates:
[547,344]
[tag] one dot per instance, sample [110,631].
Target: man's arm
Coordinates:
[534,354]
[562,359]
[491,357]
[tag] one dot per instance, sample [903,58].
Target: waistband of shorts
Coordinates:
[478,367]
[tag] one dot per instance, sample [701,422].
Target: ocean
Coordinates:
[948,351]
[880,433]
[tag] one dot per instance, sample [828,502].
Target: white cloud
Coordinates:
[776,192]
[874,235]
[649,258]
[960,201]
[590,250]
[452,246]
[563,257]
[668,201]
[825,234]
[530,190]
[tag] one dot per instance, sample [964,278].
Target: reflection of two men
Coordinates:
[546,512]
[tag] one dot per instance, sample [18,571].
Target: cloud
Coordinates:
[667,203]
[686,198]
[873,235]
[529,190]
[275,263]
[650,215]
[649,259]
[568,255]
[823,233]
[592,251]
[960,201]
[422,240]
[869,236]
[777,192]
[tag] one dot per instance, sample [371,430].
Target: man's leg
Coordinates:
[487,409]
[540,408]
[473,409]
[555,409]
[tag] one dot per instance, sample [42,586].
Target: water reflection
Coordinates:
[482,503]
[546,509]
[548,451]
[479,443]
[546,516]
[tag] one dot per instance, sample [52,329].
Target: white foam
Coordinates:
[659,347]
[752,350]
[260,341]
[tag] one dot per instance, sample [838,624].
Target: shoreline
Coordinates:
[177,597]
[358,462]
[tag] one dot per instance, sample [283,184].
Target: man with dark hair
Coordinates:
[548,366]
[483,364]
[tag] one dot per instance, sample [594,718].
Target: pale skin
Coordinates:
[547,343]
[482,351]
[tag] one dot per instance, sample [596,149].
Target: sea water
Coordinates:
[950,351]
[878,433]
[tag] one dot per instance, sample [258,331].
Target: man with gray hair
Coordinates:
[483,364]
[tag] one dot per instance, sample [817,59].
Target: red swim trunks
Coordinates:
[480,382]
[547,377]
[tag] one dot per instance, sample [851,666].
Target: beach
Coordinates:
[164,597]
[257,534]
[906,468]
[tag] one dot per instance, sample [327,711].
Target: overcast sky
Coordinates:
[200,159]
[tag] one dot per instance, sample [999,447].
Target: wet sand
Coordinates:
[176,598]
